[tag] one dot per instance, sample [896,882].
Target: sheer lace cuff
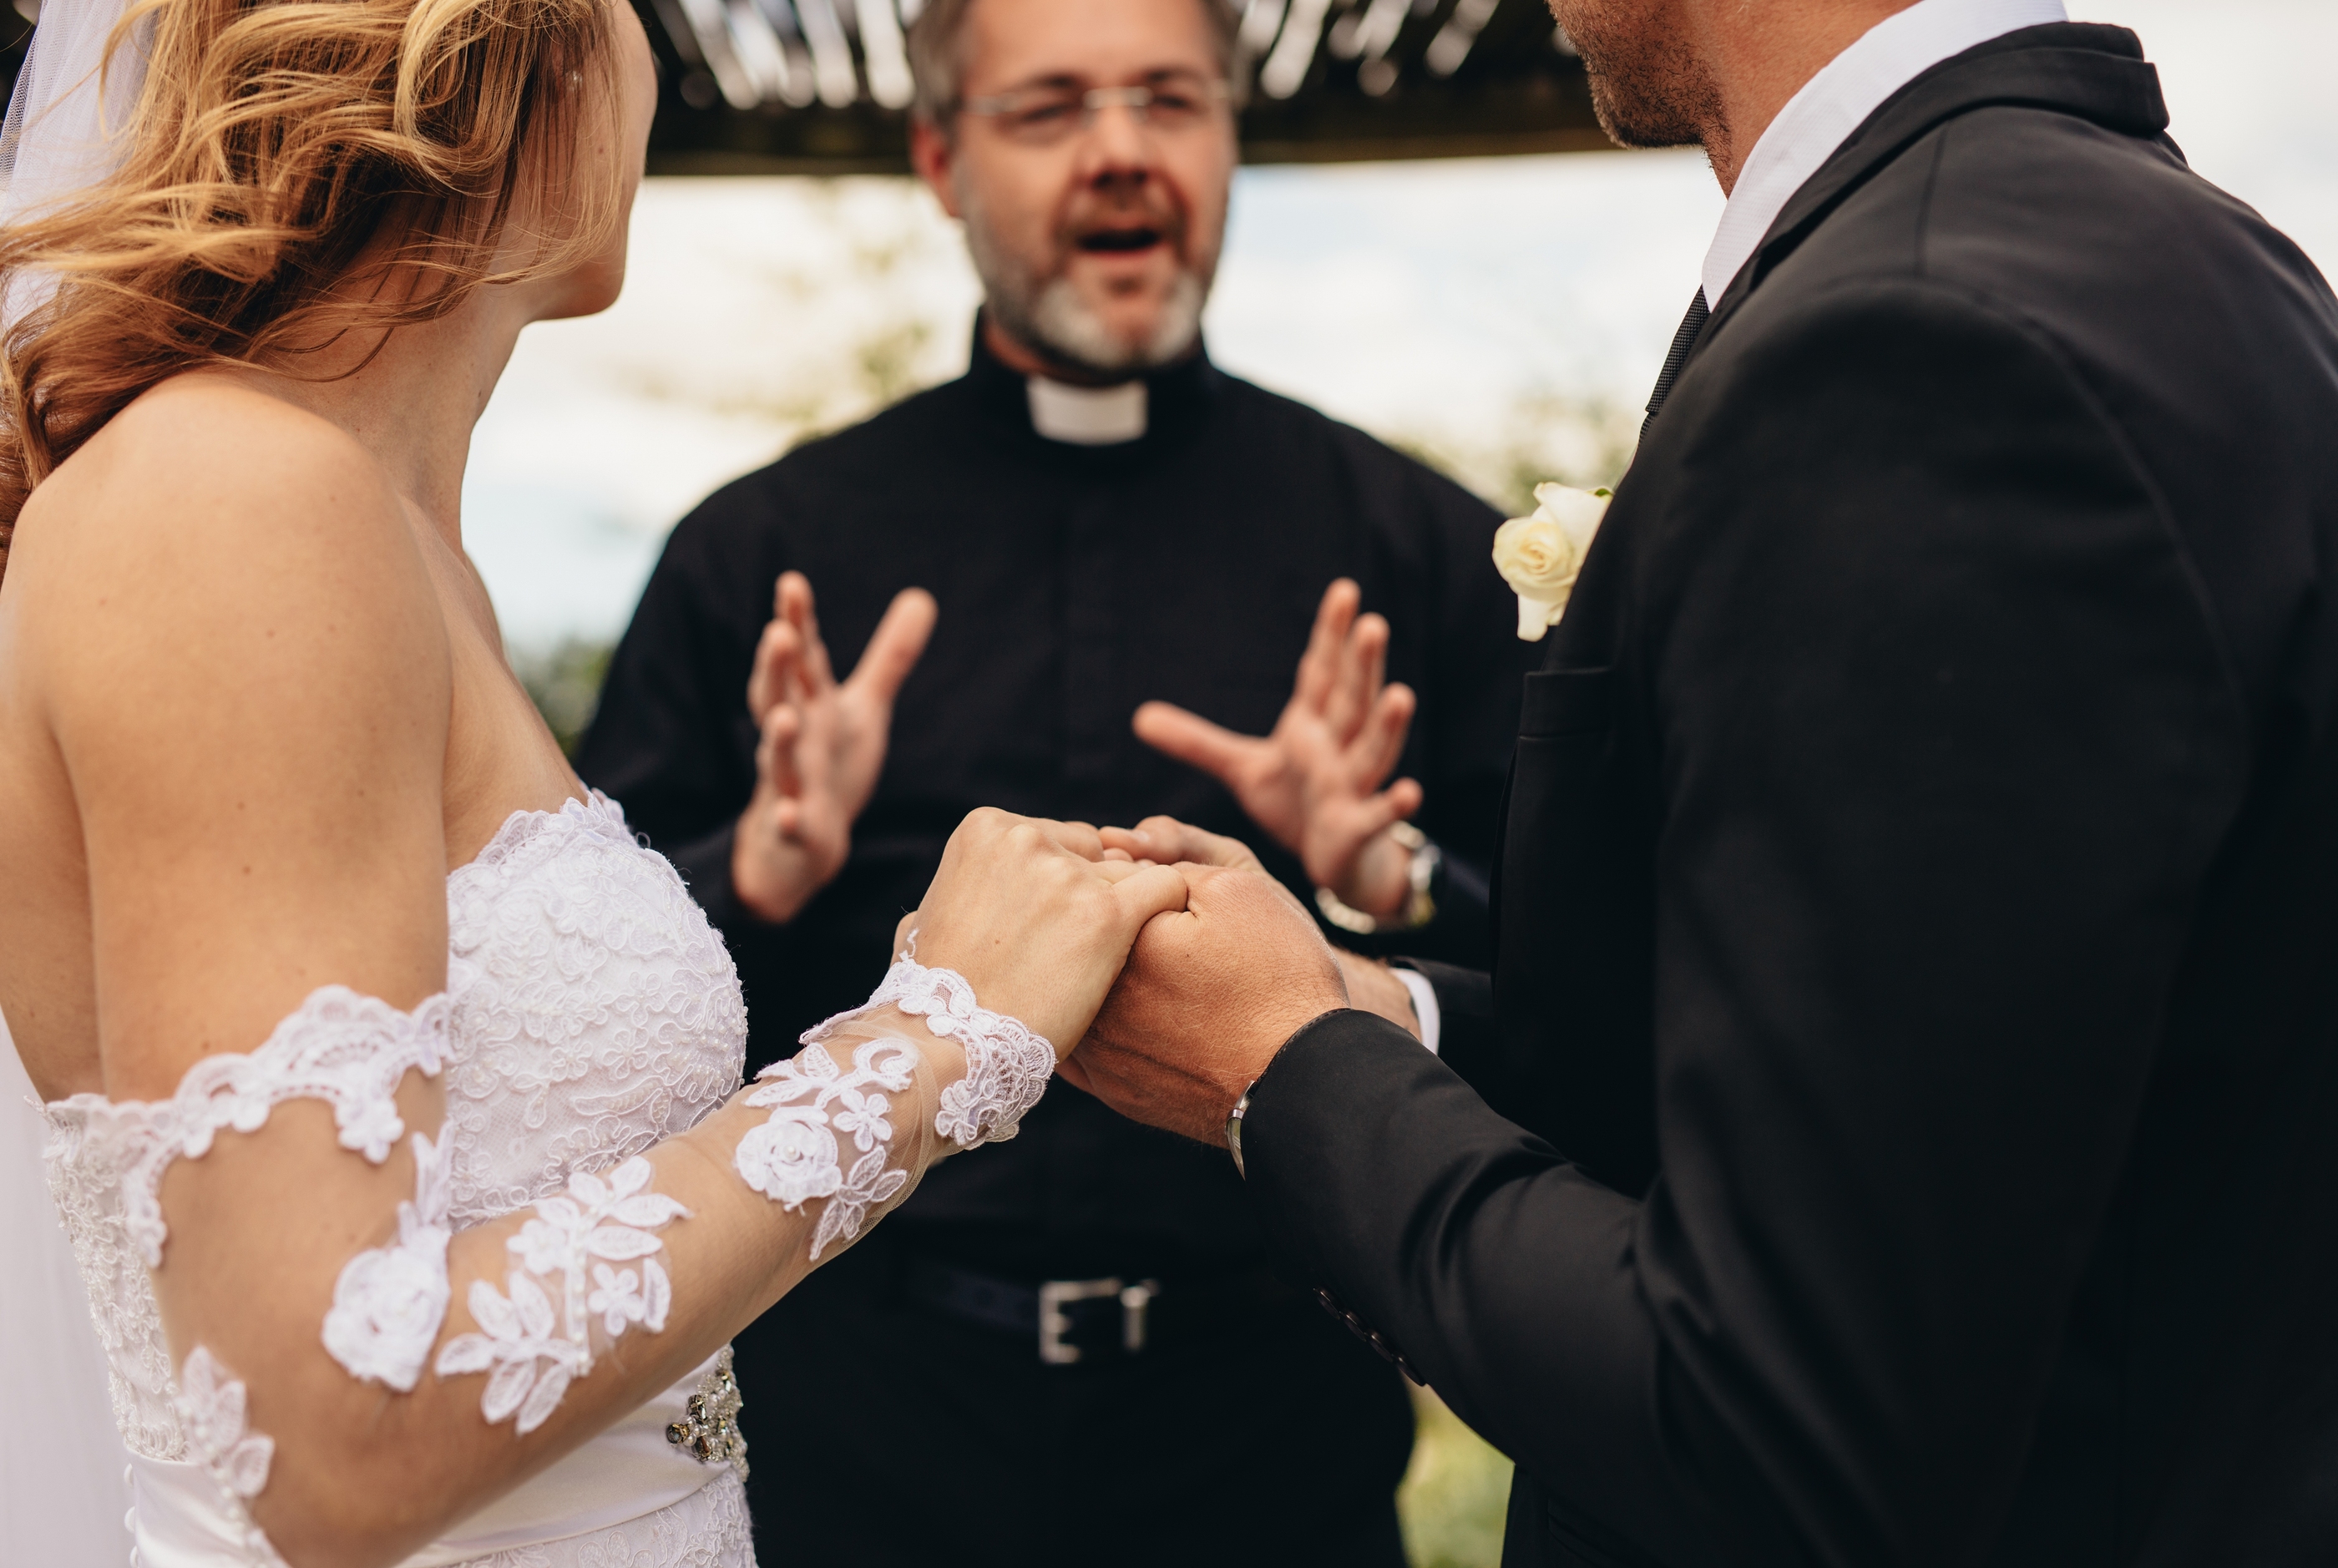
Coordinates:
[1007,1066]
[876,1101]
[818,1104]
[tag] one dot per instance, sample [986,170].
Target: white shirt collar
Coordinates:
[1833,105]
[1087,416]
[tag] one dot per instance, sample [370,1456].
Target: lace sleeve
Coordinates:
[532,1302]
[819,1104]
[352,1052]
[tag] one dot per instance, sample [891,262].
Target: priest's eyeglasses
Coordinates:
[1048,115]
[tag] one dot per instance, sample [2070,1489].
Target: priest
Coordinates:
[1118,552]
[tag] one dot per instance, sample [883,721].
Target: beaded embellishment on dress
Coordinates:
[709,1431]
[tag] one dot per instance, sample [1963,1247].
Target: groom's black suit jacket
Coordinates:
[1902,1126]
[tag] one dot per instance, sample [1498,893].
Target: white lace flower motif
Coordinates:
[533,1353]
[611,1219]
[791,1157]
[869,1185]
[210,1406]
[530,1365]
[391,1302]
[794,1157]
[1007,1067]
[864,1117]
[622,1296]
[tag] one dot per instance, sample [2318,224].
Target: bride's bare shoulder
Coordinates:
[208,496]
[212,539]
[210,448]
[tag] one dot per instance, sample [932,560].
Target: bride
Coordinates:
[389,1082]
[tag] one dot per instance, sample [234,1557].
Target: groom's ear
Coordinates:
[934,156]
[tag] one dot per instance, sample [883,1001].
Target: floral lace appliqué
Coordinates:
[794,1157]
[391,1302]
[211,1410]
[532,1354]
[347,1050]
[1007,1066]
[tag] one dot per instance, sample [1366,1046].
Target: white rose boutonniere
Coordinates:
[1540,555]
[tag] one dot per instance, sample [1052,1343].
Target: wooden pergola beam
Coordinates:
[817,86]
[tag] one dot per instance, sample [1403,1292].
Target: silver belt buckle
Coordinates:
[1055,1295]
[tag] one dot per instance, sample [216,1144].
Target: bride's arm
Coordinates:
[252,702]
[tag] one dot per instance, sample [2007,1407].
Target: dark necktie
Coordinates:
[1682,341]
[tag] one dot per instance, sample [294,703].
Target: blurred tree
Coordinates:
[565,684]
[1586,442]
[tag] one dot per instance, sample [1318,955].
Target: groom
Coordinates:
[1900,1125]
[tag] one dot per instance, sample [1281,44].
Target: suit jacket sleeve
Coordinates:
[1944,743]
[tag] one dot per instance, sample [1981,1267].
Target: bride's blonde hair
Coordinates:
[272,145]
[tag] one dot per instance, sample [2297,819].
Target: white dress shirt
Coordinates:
[1832,104]
[1425,1009]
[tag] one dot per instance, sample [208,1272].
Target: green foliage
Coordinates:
[1455,1493]
[565,686]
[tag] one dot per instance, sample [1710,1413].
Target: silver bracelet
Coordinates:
[1234,1130]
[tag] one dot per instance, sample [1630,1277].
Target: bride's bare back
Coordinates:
[240,623]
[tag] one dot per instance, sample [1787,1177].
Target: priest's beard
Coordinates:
[1049,315]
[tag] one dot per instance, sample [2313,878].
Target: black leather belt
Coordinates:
[1073,1321]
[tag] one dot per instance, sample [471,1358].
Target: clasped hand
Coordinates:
[1163,963]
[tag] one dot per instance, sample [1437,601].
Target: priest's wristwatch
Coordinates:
[1418,908]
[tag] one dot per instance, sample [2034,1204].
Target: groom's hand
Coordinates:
[1371,984]
[1315,782]
[1037,917]
[823,745]
[1209,994]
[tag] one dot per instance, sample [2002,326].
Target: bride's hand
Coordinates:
[1037,919]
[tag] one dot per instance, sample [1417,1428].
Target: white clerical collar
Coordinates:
[1087,416]
[1833,105]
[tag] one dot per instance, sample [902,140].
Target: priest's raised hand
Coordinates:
[1315,782]
[822,747]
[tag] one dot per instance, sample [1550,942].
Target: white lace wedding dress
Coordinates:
[593,1014]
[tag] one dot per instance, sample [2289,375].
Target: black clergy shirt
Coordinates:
[1075,583]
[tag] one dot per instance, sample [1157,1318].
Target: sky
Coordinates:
[1448,304]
